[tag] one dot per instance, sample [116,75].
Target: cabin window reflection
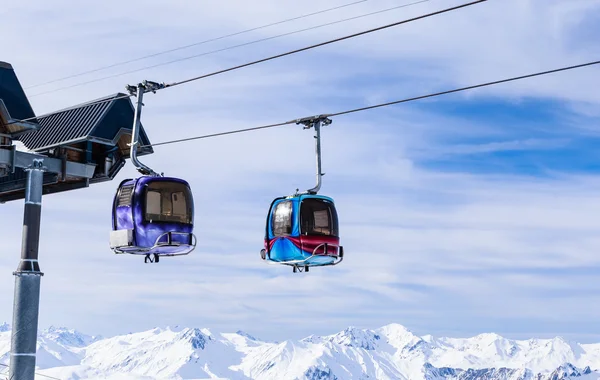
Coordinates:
[179,204]
[169,202]
[282,219]
[153,206]
[318,217]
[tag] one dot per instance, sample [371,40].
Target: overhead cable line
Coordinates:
[231,47]
[406,100]
[273,57]
[327,42]
[466,88]
[163,52]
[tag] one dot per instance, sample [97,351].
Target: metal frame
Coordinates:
[297,264]
[157,244]
[294,262]
[17,159]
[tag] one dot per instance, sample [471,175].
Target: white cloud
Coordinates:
[428,248]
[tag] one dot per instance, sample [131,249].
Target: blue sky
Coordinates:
[472,213]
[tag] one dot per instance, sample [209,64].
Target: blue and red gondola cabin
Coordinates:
[303,230]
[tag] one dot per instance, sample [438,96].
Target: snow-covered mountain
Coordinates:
[390,352]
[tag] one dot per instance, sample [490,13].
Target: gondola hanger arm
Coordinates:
[139,91]
[315,122]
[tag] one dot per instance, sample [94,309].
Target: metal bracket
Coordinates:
[315,122]
[311,120]
[132,90]
[9,165]
[146,86]
[148,258]
[38,164]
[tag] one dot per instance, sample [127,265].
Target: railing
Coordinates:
[169,243]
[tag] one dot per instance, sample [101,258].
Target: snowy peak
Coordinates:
[568,370]
[196,338]
[350,337]
[67,337]
[487,337]
[401,338]
[357,338]
[150,353]
[4,327]
[56,347]
[395,329]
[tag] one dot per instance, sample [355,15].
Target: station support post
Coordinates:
[27,281]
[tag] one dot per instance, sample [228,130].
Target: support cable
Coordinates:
[163,52]
[326,43]
[224,49]
[270,58]
[406,100]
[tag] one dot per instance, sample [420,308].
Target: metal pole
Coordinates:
[27,281]
[135,132]
[317,125]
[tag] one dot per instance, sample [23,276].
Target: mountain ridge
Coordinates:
[388,352]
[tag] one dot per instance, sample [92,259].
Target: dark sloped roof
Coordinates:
[75,123]
[12,94]
[14,106]
[102,121]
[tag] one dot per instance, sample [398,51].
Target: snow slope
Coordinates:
[390,352]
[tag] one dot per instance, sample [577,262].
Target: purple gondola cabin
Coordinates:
[153,216]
